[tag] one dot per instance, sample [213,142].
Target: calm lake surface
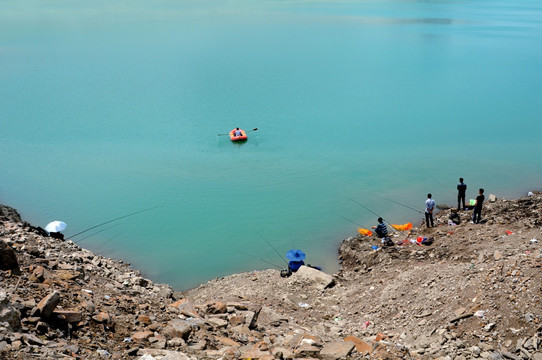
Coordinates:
[108,108]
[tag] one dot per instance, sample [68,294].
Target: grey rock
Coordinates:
[160,354]
[8,313]
[177,328]
[319,279]
[48,304]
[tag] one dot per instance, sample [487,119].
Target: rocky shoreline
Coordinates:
[475,292]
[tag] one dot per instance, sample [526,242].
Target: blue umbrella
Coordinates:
[295,255]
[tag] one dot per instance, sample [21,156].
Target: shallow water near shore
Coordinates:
[109,108]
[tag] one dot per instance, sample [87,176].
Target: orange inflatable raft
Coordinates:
[241,137]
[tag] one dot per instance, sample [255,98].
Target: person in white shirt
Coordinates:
[429,207]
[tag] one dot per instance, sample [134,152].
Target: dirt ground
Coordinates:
[476,288]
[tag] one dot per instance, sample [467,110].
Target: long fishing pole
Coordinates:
[353,222]
[110,221]
[441,184]
[365,207]
[94,233]
[265,261]
[397,202]
[268,243]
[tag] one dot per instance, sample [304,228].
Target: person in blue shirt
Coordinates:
[461,189]
[237,132]
[429,207]
[293,266]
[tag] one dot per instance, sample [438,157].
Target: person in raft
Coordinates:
[237,132]
[382,231]
[477,213]
[461,189]
[429,207]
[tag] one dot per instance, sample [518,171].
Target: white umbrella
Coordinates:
[55,226]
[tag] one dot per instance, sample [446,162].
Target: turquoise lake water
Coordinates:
[112,107]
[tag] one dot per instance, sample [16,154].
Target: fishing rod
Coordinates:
[94,233]
[265,261]
[365,207]
[268,243]
[397,202]
[441,184]
[353,222]
[245,132]
[110,221]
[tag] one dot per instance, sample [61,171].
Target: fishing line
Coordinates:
[397,202]
[363,206]
[110,221]
[268,243]
[353,222]
[96,232]
[441,184]
[265,261]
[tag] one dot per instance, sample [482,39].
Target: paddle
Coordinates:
[229,133]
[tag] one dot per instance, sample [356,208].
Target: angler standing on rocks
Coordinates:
[477,213]
[429,207]
[461,190]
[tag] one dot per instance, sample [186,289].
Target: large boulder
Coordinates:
[8,313]
[8,259]
[9,214]
[319,279]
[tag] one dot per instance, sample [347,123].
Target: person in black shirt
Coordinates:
[382,231]
[477,213]
[461,189]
